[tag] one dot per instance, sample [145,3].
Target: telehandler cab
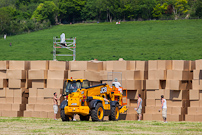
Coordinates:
[96,101]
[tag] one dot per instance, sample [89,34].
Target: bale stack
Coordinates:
[46,78]
[15,93]
[135,78]
[130,79]
[155,87]
[195,94]
[171,79]
[89,70]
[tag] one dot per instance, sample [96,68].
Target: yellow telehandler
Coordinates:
[96,101]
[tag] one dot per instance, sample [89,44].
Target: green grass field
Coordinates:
[23,125]
[144,40]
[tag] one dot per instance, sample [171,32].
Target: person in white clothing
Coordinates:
[117,85]
[164,108]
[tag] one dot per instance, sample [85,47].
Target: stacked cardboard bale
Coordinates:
[47,78]
[14,88]
[195,94]
[171,79]
[89,70]
[133,76]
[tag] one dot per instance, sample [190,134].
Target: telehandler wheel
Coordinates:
[97,114]
[63,116]
[84,118]
[114,113]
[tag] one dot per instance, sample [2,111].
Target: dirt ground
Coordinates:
[48,126]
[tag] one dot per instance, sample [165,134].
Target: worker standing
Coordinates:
[55,104]
[139,107]
[117,85]
[164,108]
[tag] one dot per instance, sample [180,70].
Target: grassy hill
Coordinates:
[145,40]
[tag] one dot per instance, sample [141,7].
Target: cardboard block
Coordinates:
[39,107]
[150,110]
[194,103]
[179,94]
[7,107]
[150,94]
[9,100]
[177,85]
[19,65]
[55,83]
[43,114]
[167,94]
[40,100]
[78,65]
[35,114]
[180,65]
[3,65]
[132,102]
[58,65]
[18,107]
[158,102]
[152,65]
[32,100]
[27,113]
[196,84]
[198,64]
[16,83]
[3,83]
[157,117]
[132,65]
[39,83]
[194,95]
[158,93]
[189,117]
[33,92]
[12,113]
[30,107]
[103,75]
[39,65]
[180,75]
[174,117]
[9,92]
[192,110]
[147,116]
[3,74]
[142,65]
[140,75]
[2,100]
[178,110]
[197,74]
[2,92]
[131,117]
[57,74]
[16,74]
[150,102]
[94,65]
[152,84]
[131,94]
[37,74]
[164,64]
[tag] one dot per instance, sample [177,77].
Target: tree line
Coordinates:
[29,15]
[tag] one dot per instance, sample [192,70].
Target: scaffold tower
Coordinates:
[69,44]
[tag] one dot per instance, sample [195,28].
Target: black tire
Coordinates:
[63,116]
[114,113]
[97,114]
[84,118]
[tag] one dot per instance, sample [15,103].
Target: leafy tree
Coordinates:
[46,10]
[199,8]
[70,10]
